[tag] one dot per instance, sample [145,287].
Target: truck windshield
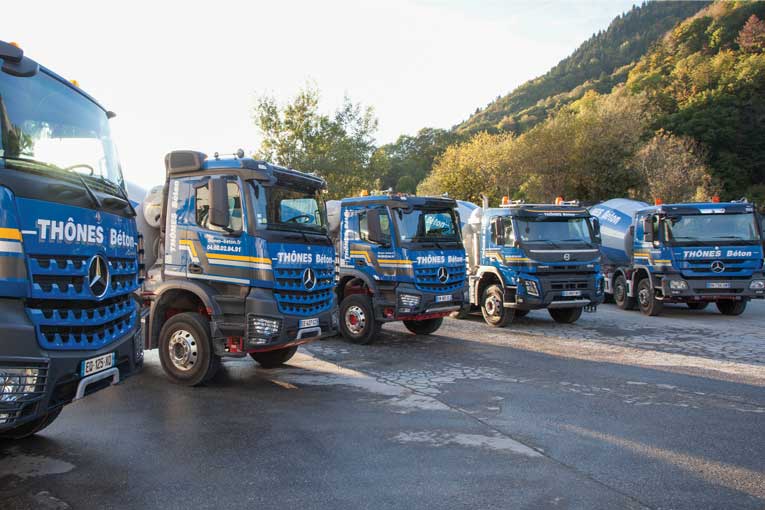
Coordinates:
[47,127]
[293,209]
[553,230]
[711,228]
[425,225]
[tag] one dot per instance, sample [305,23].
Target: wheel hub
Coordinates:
[355,319]
[182,349]
[493,306]
[643,295]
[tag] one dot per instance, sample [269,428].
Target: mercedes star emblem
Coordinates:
[717,266]
[98,276]
[309,279]
[442,275]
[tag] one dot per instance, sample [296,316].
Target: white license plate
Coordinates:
[718,285]
[572,293]
[444,298]
[95,365]
[308,323]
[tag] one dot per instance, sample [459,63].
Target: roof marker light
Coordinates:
[364,193]
[75,83]
[15,44]
[658,201]
[716,199]
[505,200]
[559,200]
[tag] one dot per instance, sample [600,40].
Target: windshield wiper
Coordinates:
[92,195]
[120,192]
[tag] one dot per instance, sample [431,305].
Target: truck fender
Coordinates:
[201,290]
[477,282]
[346,274]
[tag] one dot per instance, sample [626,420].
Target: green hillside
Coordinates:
[598,64]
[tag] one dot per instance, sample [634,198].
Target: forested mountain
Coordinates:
[601,62]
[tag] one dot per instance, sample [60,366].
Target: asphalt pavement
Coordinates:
[615,411]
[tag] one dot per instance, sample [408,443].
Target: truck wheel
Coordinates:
[565,315]
[424,327]
[731,307]
[647,300]
[32,427]
[185,349]
[272,359]
[357,320]
[696,305]
[494,313]
[621,299]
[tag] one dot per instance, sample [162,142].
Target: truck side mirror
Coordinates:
[374,229]
[596,228]
[218,215]
[498,231]
[648,229]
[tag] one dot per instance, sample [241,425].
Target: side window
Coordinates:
[508,224]
[385,227]
[655,221]
[202,207]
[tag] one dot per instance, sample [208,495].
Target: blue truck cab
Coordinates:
[69,249]
[400,258]
[693,253]
[523,257]
[244,265]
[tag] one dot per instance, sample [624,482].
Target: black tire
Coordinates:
[647,301]
[275,358]
[621,299]
[32,427]
[357,319]
[697,305]
[731,307]
[193,361]
[520,313]
[565,315]
[424,327]
[494,313]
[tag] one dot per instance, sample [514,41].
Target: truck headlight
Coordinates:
[757,285]
[678,285]
[261,329]
[531,287]
[409,300]
[17,383]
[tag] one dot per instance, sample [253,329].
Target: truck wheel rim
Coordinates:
[619,292]
[643,294]
[355,319]
[182,349]
[492,306]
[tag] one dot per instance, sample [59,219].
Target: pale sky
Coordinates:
[184,74]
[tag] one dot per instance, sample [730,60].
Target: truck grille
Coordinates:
[65,312]
[569,285]
[17,404]
[292,298]
[426,279]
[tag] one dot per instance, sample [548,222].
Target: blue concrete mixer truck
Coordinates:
[242,264]
[693,253]
[69,250]
[524,257]
[400,259]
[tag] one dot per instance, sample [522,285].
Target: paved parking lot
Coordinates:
[616,411]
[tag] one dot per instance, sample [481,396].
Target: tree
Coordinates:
[338,146]
[672,168]
[752,36]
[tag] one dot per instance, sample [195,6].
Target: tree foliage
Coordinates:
[339,146]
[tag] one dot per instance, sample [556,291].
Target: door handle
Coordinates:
[194,268]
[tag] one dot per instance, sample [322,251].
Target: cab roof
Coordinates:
[188,162]
[700,208]
[551,210]
[400,200]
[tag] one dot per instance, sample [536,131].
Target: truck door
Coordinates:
[376,257]
[219,255]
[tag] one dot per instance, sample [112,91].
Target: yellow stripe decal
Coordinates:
[10,233]
[190,244]
[240,258]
